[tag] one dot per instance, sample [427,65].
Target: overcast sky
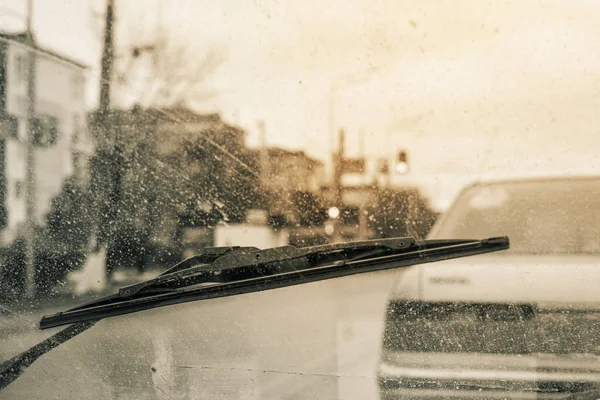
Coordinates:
[465,85]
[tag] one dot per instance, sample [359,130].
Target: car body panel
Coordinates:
[317,340]
[548,281]
[545,282]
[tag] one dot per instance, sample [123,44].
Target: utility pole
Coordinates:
[338,160]
[338,171]
[264,155]
[107,61]
[102,126]
[363,223]
[30,197]
[338,157]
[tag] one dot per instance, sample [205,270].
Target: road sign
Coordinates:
[353,165]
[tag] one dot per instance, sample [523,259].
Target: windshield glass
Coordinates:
[540,217]
[137,134]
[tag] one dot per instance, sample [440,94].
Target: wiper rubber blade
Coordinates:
[225,264]
[266,269]
[357,258]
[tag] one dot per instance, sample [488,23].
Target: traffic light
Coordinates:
[402,162]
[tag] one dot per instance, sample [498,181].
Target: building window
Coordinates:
[21,67]
[78,165]
[76,129]
[9,126]
[19,189]
[77,86]
[45,131]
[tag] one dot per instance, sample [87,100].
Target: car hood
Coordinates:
[320,340]
[558,281]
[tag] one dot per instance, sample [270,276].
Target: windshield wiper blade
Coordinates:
[320,262]
[243,270]
[225,264]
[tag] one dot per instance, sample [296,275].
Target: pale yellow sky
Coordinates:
[516,82]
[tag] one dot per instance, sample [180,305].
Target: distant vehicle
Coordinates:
[259,236]
[195,238]
[524,323]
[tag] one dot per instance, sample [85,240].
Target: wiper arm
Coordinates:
[230,271]
[14,367]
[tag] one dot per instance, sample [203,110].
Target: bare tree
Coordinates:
[164,71]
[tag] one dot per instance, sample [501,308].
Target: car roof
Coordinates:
[537,176]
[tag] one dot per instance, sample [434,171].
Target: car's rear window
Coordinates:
[540,217]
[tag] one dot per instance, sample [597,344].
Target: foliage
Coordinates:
[68,223]
[310,209]
[130,192]
[139,188]
[401,212]
[12,271]
[147,176]
[61,243]
[64,240]
[163,71]
[220,186]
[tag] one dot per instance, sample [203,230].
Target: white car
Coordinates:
[524,323]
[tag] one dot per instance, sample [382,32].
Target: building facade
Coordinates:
[290,171]
[287,174]
[61,140]
[196,161]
